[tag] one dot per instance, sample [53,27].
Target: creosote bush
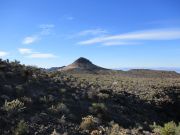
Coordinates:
[21,129]
[103,96]
[115,130]
[55,132]
[169,128]
[98,108]
[89,122]
[47,99]
[96,132]
[60,107]
[14,105]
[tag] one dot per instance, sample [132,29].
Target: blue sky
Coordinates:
[111,33]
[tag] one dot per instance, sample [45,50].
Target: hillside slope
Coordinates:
[37,102]
[84,66]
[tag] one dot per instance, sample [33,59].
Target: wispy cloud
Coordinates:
[44,30]
[157,34]
[42,55]
[25,51]
[98,32]
[29,40]
[93,32]
[32,54]
[3,53]
[118,43]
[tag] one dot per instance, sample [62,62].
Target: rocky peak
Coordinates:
[82,60]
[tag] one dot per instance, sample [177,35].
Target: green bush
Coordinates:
[177,132]
[62,90]
[21,129]
[169,128]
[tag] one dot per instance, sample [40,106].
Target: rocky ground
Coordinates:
[34,101]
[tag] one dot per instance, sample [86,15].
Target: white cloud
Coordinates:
[117,43]
[32,54]
[45,29]
[25,51]
[46,26]
[29,40]
[92,32]
[89,32]
[42,55]
[157,34]
[2,53]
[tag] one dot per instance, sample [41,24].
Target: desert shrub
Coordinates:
[89,122]
[47,99]
[62,90]
[96,132]
[169,128]
[98,108]
[60,107]
[27,100]
[177,132]
[103,96]
[114,129]
[21,129]
[44,99]
[14,105]
[62,120]
[55,132]
[92,94]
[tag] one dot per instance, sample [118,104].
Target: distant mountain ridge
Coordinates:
[152,73]
[83,65]
[54,68]
[176,69]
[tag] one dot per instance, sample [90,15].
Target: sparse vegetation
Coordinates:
[169,128]
[55,132]
[88,122]
[14,105]
[21,129]
[59,108]
[98,108]
[114,130]
[34,101]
